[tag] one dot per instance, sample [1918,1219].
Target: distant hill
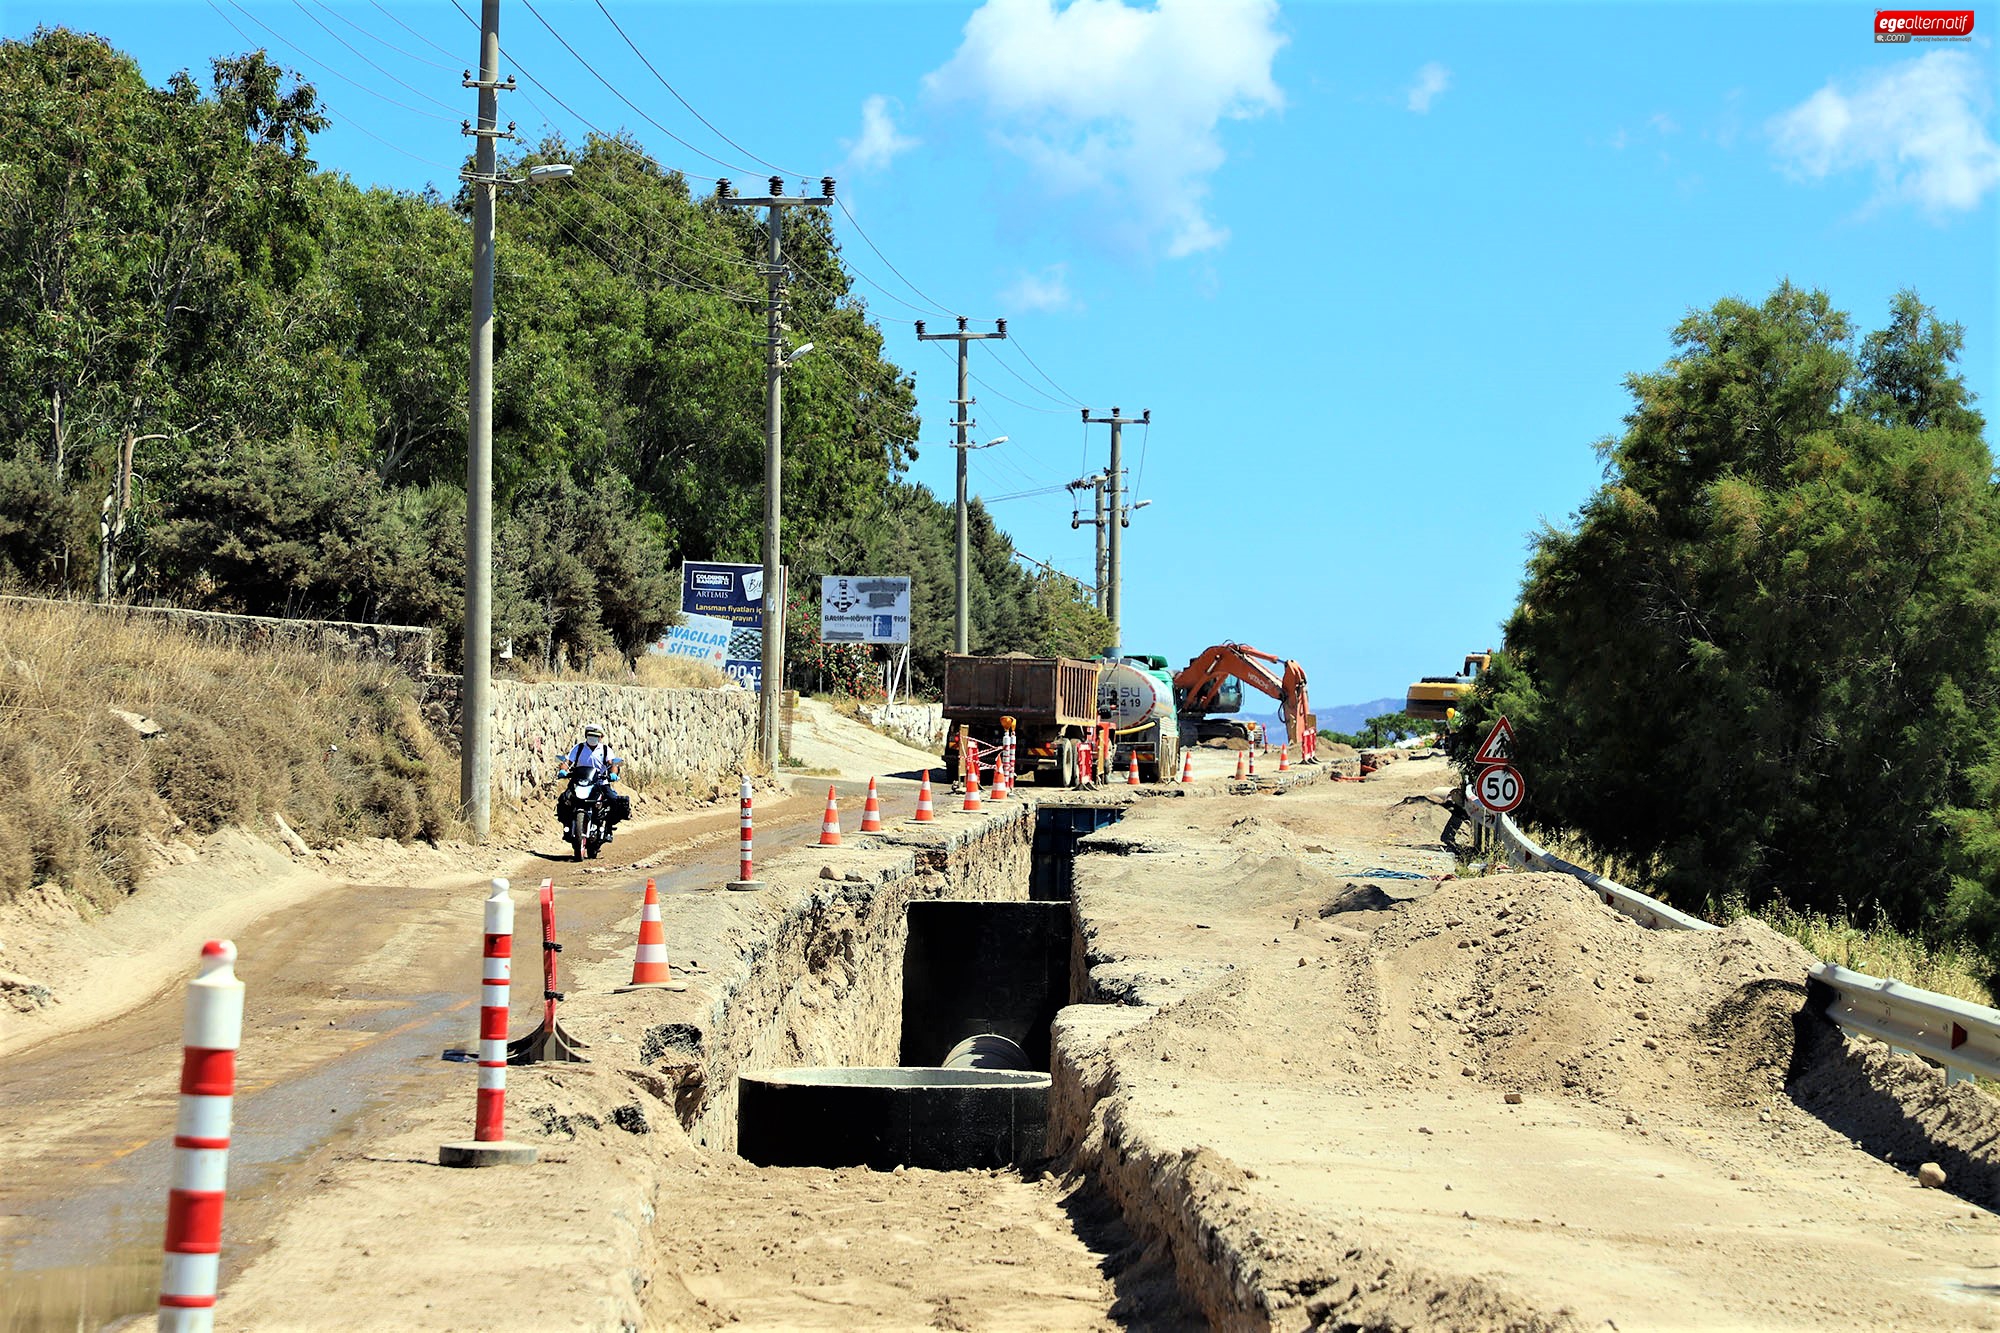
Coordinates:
[1341,717]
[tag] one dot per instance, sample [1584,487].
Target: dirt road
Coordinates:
[355,991]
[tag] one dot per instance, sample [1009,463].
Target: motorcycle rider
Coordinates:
[593,751]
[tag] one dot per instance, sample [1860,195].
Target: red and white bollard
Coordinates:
[213,1030]
[1007,757]
[746,870]
[489,1146]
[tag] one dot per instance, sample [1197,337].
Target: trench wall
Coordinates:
[821,981]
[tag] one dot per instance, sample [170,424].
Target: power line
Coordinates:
[1062,411]
[413,110]
[863,232]
[1071,398]
[722,162]
[414,33]
[300,6]
[249,43]
[684,102]
[377,37]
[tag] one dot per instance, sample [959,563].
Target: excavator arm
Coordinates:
[1201,681]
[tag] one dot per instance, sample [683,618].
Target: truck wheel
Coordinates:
[1068,771]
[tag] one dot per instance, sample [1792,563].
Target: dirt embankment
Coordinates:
[1349,1095]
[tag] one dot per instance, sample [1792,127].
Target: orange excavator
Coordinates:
[1213,683]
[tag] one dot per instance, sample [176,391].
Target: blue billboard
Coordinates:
[734,593]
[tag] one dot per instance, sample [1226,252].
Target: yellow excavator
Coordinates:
[1433,697]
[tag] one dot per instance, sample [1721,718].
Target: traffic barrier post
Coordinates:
[210,1035]
[746,869]
[489,1145]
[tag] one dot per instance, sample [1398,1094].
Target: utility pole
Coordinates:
[771,675]
[1117,515]
[475,740]
[961,637]
[1095,485]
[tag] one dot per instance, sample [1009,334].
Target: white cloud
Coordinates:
[1920,127]
[1101,98]
[1432,79]
[1047,290]
[879,143]
[1663,123]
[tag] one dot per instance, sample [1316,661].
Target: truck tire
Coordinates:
[1069,772]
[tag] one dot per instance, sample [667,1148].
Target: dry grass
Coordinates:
[1881,950]
[338,746]
[653,670]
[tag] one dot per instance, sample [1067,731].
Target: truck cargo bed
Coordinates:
[1050,691]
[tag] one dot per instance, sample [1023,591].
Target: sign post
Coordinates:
[864,609]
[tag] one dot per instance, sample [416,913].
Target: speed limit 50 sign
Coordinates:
[1500,788]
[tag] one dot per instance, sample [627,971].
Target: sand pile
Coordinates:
[1532,983]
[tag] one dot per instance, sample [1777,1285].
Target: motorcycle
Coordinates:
[589,803]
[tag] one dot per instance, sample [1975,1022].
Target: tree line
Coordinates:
[1763,659]
[237,381]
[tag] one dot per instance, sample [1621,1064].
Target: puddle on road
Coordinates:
[94,1256]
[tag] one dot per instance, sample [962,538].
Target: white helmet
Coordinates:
[593,732]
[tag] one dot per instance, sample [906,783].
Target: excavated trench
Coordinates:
[975,977]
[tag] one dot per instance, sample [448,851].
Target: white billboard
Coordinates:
[864,609]
[704,638]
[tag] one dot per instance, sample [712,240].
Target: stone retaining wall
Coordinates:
[697,738]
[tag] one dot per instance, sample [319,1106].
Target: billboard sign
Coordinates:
[864,609]
[733,594]
[704,638]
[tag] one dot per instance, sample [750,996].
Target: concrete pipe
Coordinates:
[988,1050]
[942,1119]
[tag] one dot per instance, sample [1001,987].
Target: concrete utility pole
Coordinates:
[1117,514]
[961,637]
[771,676]
[475,741]
[1095,485]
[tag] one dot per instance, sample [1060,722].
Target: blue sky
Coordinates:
[1378,271]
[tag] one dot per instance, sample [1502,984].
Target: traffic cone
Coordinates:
[1187,766]
[1285,758]
[649,965]
[1239,764]
[972,784]
[871,811]
[829,827]
[999,788]
[1132,774]
[924,814]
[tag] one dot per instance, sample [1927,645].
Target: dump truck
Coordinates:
[1052,700]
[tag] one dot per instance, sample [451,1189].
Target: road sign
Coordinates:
[1500,788]
[1498,747]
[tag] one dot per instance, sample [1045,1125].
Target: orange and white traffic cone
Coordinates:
[829,826]
[1285,757]
[924,815]
[649,965]
[1187,766]
[1132,774]
[997,789]
[1239,764]
[971,784]
[871,811]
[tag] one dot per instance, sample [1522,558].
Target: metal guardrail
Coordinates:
[1961,1036]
